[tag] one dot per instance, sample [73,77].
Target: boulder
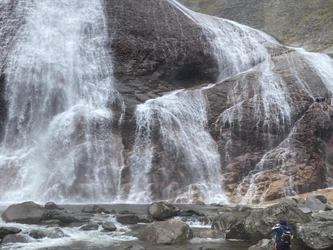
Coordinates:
[320,197]
[26,212]
[67,217]
[52,205]
[55,233]
[166,232]
[8,230]
[316,234]
[322,216]
[127,219]
[237,231]
[313,203]
[93,209]
[162,210]
[14,238]
[109,226]
[258,225]
[37,234]
[145,218]
[90,226]
[223,222]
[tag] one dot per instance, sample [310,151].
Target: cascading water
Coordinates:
[184,161]
[58,143]
[237,47]
[61,140]
[185,165]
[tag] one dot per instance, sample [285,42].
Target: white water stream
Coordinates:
[189,167]
[58,141]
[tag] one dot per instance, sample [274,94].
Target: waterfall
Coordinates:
[58,142]
[174,154]
[237,47]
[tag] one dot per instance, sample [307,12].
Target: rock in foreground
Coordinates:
[166,232]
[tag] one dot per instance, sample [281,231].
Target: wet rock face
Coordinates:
[278,151]
[156,48]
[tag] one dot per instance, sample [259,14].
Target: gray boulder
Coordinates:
[320,197]
[93,209]
[90,226]
[314,203]
[162,210]
[258,225]
[14,238]
[109,226]
[26,212]
[8,230]
[67,217]
[316,235]
[128,219]
[322,216]
[223,222]
[166,232]
[37,234]
[52,205]
[55,233]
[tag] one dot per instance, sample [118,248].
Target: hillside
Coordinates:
[296,23]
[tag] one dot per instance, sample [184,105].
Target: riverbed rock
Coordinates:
[162,210]
[109,226]
[129,219]
[91,226]
[8,230]
[93,209]
[52,205]
[166,232]
[27,212]
[223,222]
[14,238]
[316,234]
[67,217]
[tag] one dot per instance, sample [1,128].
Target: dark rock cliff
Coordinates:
[156,48]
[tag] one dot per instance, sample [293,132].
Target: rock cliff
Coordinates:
[261,158]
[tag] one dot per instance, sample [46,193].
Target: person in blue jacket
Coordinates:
[279,229]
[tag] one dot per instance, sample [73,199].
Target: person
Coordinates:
[279,229]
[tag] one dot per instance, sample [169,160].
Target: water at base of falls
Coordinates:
[123,238]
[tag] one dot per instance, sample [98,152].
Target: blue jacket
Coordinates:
[279,229]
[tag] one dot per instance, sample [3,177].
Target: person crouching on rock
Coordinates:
[284,235]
